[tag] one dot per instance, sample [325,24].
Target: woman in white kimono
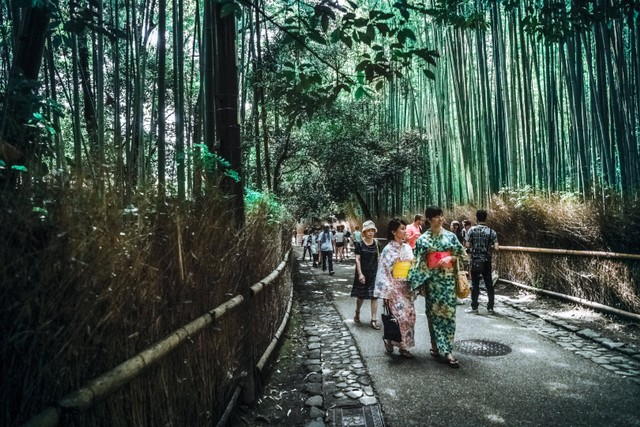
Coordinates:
[392,286]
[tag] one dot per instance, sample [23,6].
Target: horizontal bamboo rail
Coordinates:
[224,419]
[109,382]
[570,252]
[582,301]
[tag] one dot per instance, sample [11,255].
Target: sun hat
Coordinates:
[368,225]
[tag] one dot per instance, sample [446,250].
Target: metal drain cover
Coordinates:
[482,348]
[361,416]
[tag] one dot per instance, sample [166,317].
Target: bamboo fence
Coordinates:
[615,255]
[106,384]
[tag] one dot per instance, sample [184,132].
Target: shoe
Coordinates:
[406,354]
[471,310]
[434,353]
[453,363]
[491,311]
[374,325]
[388,346]
[459,301]
[331,273]
[356,318]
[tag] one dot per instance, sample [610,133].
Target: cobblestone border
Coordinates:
[614,356]
[337,376]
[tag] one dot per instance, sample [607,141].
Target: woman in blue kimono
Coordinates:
[436,252]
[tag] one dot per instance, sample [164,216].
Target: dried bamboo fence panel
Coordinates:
[107,384]
[608,278]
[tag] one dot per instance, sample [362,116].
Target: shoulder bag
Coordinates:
[462,282]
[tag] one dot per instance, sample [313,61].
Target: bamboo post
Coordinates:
[247,357]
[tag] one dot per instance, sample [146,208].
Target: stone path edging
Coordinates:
[614,356]
[337,374]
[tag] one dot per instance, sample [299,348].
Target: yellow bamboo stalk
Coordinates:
[570,252]
[109,382]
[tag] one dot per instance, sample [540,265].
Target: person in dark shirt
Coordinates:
[481,241]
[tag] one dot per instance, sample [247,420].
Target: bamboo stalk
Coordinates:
[570,252]
[109,382]
[224,419]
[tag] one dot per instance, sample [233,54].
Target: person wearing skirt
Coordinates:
[392,286]
[367,255]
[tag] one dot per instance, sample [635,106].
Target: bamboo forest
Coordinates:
[155,157]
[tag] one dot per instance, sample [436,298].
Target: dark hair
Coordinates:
[417,217]
[432,211]
[481,215]
[466,222]
[394,224]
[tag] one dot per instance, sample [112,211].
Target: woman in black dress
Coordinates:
[367,255]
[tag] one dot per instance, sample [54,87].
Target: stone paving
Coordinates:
[615,356]
[337,375]
[338,378]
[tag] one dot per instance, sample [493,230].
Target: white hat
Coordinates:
[368,225]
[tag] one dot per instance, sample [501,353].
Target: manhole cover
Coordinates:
[482,348]
[362,416]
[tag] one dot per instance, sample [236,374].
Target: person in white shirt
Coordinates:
[326,249]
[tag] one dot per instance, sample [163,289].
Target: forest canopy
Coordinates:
[386,106]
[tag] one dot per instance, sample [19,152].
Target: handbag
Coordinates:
[391,327]
[462,282]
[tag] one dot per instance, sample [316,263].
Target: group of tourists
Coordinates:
[419,261]
[322,243]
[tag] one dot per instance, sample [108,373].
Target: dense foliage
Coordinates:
[497,94]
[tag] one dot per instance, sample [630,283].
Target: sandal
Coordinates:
[453,363]
[374,325]
[388,346]
[406,354]
[356,318]
[434,353]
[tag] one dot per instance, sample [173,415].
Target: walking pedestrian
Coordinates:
[466,226]
[347,241]
[456,229]
[436,252]
[414,230]
[481,241]
[306,243]
[326,249]
[315,246]
[357,235]
[339,240]
[393,288]
[367,256]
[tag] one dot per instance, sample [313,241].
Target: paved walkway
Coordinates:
[522,367]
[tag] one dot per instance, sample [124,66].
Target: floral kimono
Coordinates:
[397,291]
[439,284]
